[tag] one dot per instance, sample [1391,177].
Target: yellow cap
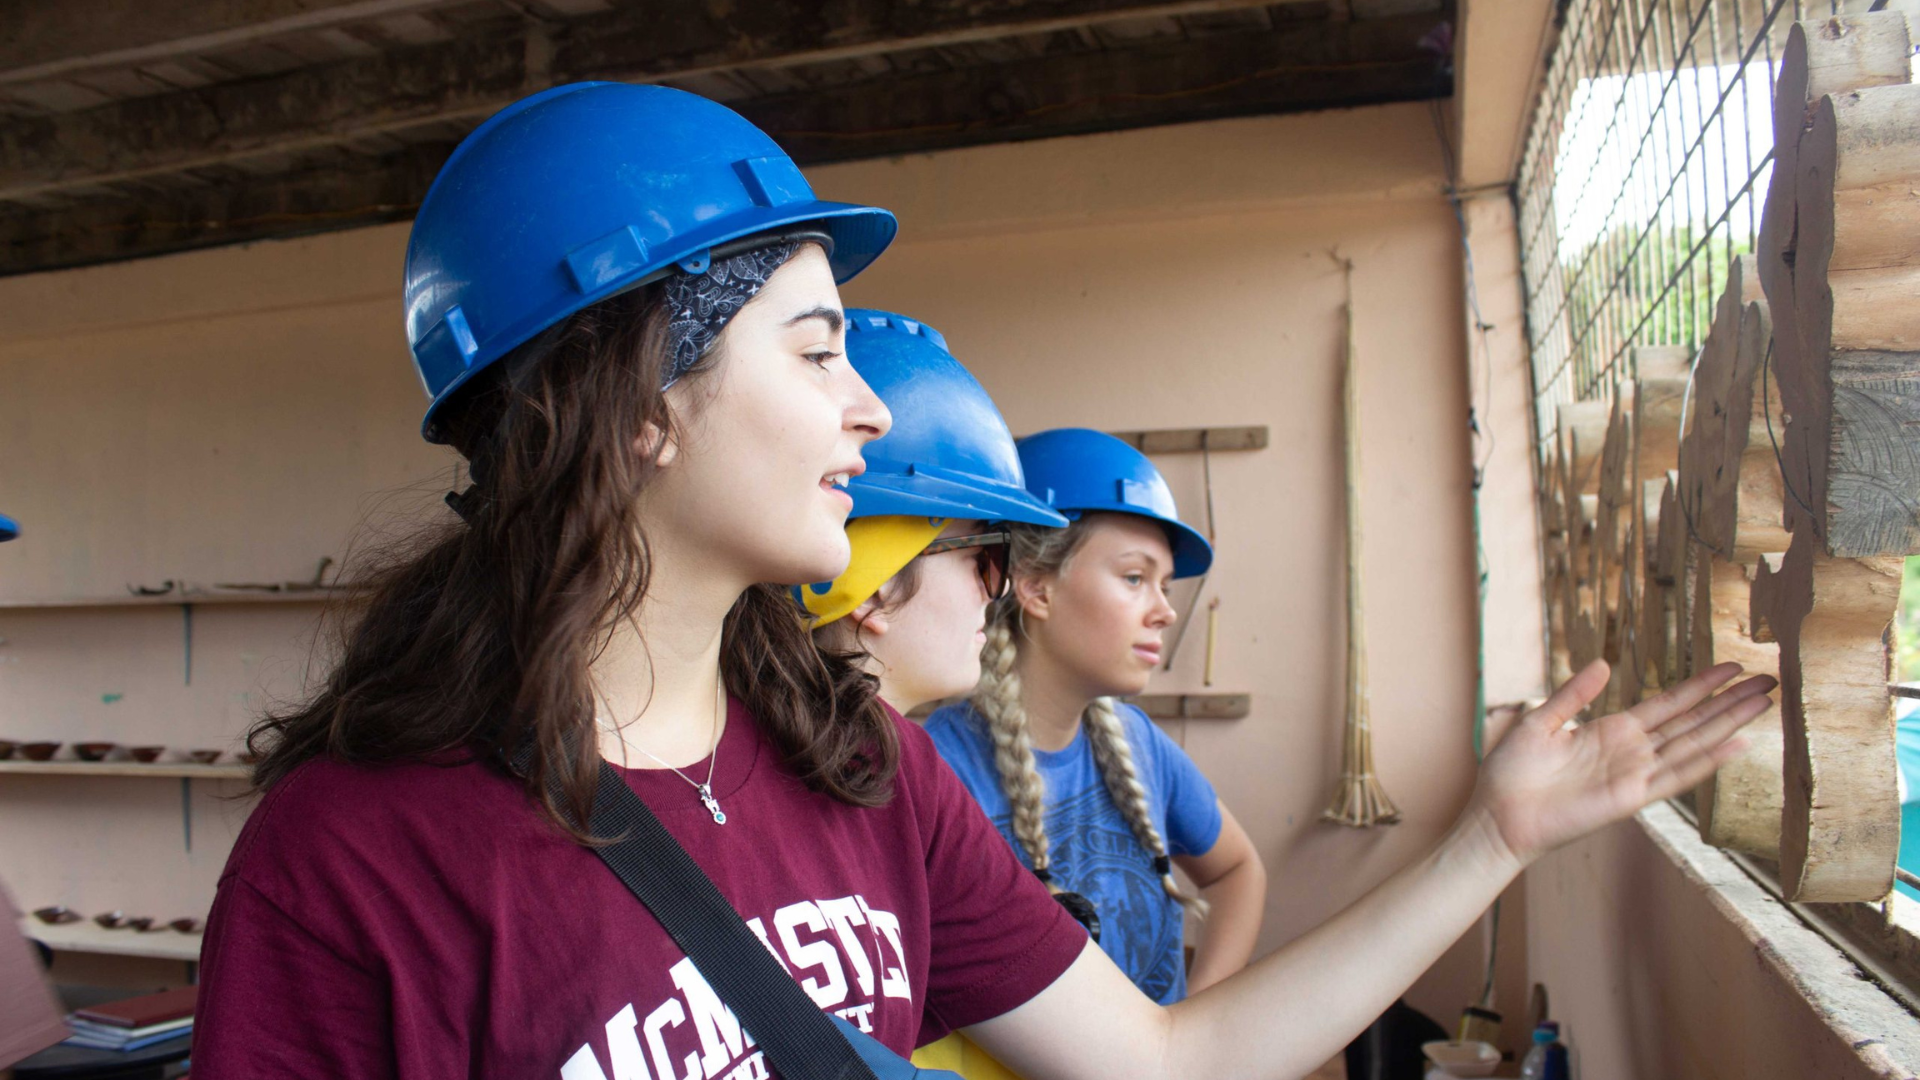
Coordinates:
[881,547]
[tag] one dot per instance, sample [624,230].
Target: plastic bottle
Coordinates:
[1548,1058]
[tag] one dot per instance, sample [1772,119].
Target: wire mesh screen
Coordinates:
[1644,174]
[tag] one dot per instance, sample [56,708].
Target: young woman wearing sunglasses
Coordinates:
[928,529]
[912,609]
[622,300]
[1093,796]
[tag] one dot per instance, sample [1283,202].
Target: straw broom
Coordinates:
[1358,798]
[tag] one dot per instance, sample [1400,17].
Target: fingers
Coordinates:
[1693,755]
[1726,699]
[1573,695]
[1689,774]
[1680,697]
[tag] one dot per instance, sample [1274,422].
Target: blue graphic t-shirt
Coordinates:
[1094,853]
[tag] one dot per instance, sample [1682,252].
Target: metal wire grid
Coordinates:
[1644,173]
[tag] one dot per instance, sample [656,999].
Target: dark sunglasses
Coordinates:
[990,558]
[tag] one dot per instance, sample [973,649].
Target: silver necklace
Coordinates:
[706,790]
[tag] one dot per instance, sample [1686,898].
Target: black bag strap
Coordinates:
[800,1041]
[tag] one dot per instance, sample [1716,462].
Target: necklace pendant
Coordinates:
[712,805]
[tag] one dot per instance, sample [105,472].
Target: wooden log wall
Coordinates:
[1772,531]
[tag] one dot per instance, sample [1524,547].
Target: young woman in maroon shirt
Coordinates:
[624,302]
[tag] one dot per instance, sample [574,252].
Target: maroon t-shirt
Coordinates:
[426,921]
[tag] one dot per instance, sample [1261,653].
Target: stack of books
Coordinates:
[135,1022]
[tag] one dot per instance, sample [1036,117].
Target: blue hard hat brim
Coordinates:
[874,496]
[1192,554]
[859,234]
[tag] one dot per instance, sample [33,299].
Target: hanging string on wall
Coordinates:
[1358,799]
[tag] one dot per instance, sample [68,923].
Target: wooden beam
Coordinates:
[1500,50]
[1032,99]
[1195,440]
[46,41]
[352,193]
[470,78]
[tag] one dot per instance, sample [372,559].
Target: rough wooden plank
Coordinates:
[1292,69]
[45,40]
[467,79]
[1850,379]
[1840,831]
[1196,440]
[1656,599]
[1821,57]
[1732,477]
[1306,66]
[351,193]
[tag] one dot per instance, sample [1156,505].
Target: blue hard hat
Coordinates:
[9,529]
[584,191]
[1077,471]
[948,454]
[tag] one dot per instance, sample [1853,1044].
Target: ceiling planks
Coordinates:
[128,128]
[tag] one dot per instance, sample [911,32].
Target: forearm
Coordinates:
[1290,1012]
[1237,903]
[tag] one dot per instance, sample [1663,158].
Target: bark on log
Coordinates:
[1656,598]
[1822,57]
[1730,472]
[1840,831]
[1847,330]
[1740,806]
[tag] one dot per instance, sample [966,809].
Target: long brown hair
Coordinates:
[478,633]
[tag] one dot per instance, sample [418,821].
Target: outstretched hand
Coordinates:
[1549,782]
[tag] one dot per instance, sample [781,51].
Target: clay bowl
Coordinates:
[203,757]
[146,753]
[111,920]
[248,757]
[39,751]
[143,923]
[57,915]
[186,926]
[94,751]
[7,747]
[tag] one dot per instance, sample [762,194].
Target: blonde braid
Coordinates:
[1115,758]
[997,698]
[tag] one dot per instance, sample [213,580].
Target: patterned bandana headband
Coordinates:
[702,304]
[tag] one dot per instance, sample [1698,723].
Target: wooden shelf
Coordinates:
[177,599]
[87,937]
[175,769]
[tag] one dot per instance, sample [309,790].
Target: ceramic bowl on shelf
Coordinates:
[247,757]
[111,920]
[7,747]
[57,915]
[144,922]
[94,751]
[203,757]
[39,751]
[146,753]
[186,926]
